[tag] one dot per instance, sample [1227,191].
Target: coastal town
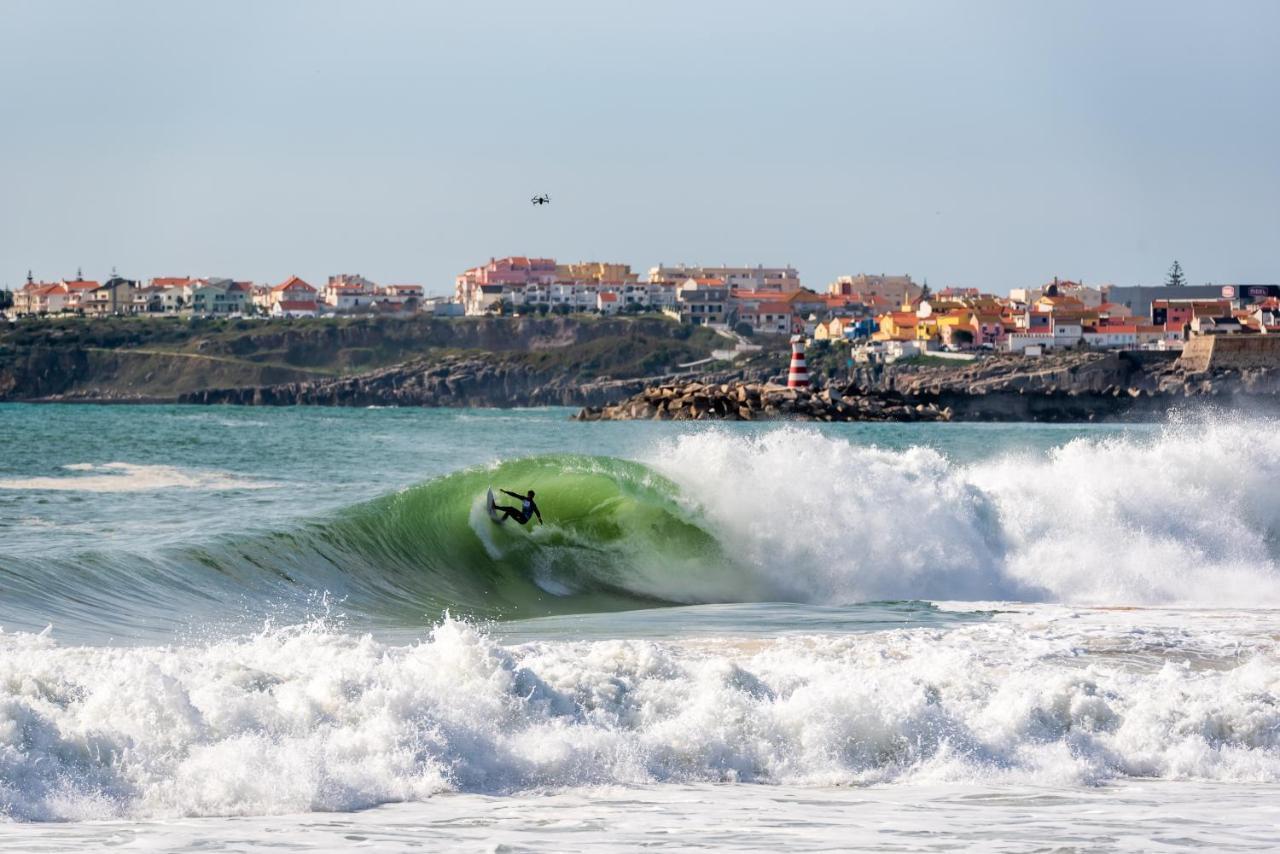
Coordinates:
[883,317]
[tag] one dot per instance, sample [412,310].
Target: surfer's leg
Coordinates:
[511,513]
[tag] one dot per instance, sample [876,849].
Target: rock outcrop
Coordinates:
[1066,387]
[750,401]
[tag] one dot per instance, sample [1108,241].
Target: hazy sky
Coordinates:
[991,144]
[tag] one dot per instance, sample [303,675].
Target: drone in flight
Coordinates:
[543,199]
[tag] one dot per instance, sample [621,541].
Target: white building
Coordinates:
[607,302]
[1090,297]
[759,278]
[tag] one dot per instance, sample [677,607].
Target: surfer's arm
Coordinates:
[537,513]
[512,494]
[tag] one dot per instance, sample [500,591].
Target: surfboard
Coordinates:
[492,505]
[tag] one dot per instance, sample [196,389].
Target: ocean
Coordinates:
[258,629]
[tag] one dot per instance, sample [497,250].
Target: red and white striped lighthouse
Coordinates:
[798,375]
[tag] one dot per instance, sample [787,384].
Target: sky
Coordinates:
[978,144]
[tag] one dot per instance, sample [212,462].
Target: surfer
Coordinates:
[522,514]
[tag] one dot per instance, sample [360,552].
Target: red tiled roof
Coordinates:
[170,281]
[297,305]
[293,282]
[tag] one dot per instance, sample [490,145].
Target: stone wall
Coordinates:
[1226,352]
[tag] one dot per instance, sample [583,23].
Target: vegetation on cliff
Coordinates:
[129,358]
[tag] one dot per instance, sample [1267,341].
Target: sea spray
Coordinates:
[1185,516]
[309,718]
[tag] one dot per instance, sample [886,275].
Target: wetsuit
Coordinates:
[523,513]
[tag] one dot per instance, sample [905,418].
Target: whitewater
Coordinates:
[247,629]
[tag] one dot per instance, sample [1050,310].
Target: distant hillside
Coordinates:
[167,359]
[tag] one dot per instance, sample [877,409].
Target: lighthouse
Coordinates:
[798,374]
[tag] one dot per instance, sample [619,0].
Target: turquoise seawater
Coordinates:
[125,523]
[255,628]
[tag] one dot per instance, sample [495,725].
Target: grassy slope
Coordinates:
[163,357]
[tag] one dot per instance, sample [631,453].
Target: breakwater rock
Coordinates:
[748,401]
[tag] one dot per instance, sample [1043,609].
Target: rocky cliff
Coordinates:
[592,362]
[419,361]
[451,381]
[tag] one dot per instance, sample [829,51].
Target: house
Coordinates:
[897,326]
[843,329]
[40,298]
[805,302]
[778,280]
[403,291]
[241,296]
[1089,297]
[607,302]
[442,307]
[1139,300]
[294,308]
[703,302]
[1112,336]
[895,289]
[1028,342]
[115,296]
[895,350]
[1179,312]
[149,299]
[485,298]
[480,288]
[77,289]
[214,297]
[292,290]
[772,317]
[598,272]
[1206,325]
[347,297]
[260,298]
[988,329]
[347,291]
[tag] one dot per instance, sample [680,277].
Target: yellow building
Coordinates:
[896,326]
[595,271]
[926,328]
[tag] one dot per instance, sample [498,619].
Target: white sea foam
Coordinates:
[132,477]
[310,719]
[1186,515]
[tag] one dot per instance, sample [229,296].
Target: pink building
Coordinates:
[479,287]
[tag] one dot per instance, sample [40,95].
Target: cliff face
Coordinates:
[487,361]
[453,381]
[570,361]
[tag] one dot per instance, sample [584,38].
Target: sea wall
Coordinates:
[1230,352]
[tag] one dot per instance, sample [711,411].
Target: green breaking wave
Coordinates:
[615,535]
